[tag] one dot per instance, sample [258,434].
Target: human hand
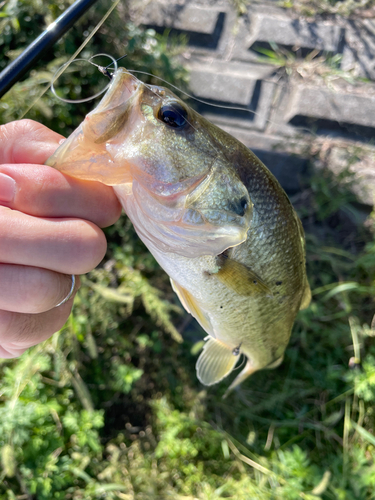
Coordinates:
[49,231]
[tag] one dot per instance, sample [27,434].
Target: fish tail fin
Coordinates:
[246,372]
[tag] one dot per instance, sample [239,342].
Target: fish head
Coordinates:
[169,170]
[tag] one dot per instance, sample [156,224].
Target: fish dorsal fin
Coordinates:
[306,297]
[192,307]
[215,362]
[240,278]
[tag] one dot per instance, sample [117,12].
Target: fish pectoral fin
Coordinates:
[246,372]
[215,362]
[306,297]
[240,278]
[192,307]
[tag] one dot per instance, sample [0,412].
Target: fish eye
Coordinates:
[173,114]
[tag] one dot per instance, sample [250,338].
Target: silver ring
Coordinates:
[70,292]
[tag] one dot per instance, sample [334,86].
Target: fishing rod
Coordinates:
[17,68]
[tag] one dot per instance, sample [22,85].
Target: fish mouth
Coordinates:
[84,153]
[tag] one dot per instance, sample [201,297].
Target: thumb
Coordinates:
[27,141]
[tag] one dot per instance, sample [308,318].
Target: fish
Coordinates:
[213,216]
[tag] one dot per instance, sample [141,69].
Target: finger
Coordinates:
[20,331]
[42,191]
[26,141]
[33,290]
[69,246]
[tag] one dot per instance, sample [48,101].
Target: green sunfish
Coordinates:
[210,212]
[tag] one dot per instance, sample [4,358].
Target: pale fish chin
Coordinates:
[162,227]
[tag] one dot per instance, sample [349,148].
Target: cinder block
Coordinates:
[186,17]
[269,25]
[359,162]
[207,27]
[359,50]
[345,113]
[291,32]
[224,81]
[236,85]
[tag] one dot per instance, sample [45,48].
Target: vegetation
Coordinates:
[345,8]
[110,406]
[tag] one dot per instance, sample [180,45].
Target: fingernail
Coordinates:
[7,188]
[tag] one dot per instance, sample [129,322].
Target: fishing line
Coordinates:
[233,108]
[101,69]
[160,98]
[76,53]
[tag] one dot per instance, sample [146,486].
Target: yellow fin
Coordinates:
[215,362]
[306,297]
[240,278]
[192,307]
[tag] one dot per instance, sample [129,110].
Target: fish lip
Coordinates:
[92,134]
[124,84]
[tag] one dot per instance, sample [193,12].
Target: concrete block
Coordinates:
[203,25]
[224,81]
[265,26]
[346,113]
[235,85]
[359,162]
[286,31]
[359,50]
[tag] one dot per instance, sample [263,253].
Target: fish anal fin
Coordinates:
[191,305]
[215,362]
[240,278]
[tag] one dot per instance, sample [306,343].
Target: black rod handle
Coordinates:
[25,61]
